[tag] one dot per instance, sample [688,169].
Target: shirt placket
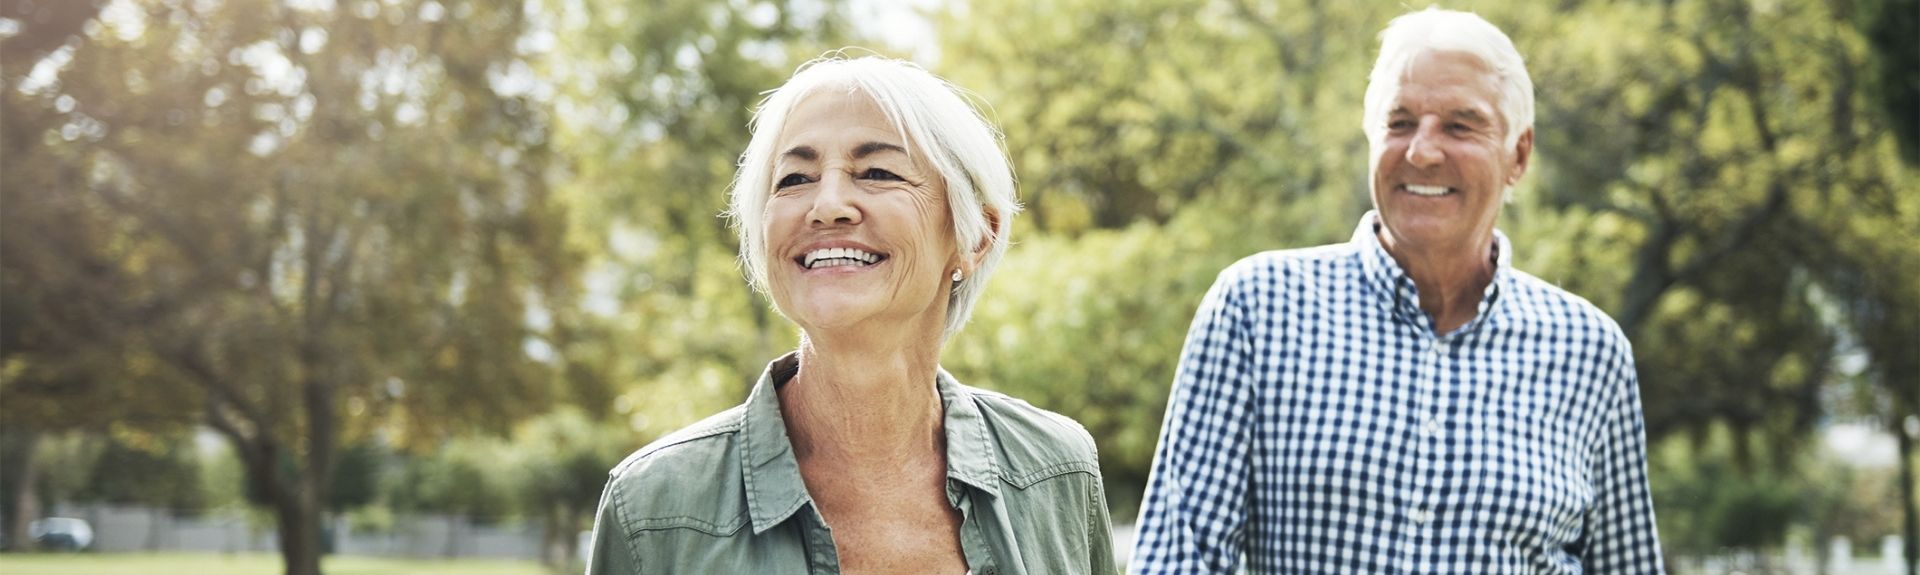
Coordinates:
[822,558]
[1427,427]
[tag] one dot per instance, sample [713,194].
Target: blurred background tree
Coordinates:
[298,223]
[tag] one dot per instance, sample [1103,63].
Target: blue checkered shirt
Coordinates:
[1318,425]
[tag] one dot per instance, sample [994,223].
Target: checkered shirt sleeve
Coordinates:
[1195,499]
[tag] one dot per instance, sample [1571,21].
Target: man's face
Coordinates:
[1441,167]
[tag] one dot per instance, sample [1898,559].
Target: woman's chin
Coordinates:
[824,318]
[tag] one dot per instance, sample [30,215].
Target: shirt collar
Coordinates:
[768,468]
[1393,288]
[771,474]
[971,457]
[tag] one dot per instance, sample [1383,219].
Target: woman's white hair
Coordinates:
[929,112]
[1434,29]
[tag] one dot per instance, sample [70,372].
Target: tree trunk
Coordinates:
[551,553]
[155,517]
[299,519]
[453,536]
[569,536]
[295,498]
[1911,531]
[26,500]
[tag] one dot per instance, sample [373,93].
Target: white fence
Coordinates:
[125,529]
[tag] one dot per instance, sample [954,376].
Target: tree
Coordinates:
[158,472]
[254,204]
[454,480]
[561,461]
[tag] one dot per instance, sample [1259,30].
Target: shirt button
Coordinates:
[1420,517]
[1431,428]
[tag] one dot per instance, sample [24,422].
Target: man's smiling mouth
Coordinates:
[1427,191]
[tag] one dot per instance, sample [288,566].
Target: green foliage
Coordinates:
[356,477]
[1711,497]
[162,472]
[559,462]
[1708,500]
[457,479]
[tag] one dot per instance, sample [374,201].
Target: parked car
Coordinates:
[61,533]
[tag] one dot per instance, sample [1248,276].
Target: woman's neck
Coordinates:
[859,403]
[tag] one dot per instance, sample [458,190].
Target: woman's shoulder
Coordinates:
[683,469]
[1032,443]
[698,441]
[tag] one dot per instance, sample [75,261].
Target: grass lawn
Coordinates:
[245,564]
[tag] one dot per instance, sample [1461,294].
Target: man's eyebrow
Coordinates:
[870,148]
[1472,116]
[803,153]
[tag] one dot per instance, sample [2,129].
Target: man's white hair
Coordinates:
[965,149]
[1434,29]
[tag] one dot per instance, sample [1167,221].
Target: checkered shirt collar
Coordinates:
[1394,289]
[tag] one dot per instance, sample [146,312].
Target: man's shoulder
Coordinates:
[1296,264]
[1542,301]
[1033,443]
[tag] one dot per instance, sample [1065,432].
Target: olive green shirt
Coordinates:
[725,495]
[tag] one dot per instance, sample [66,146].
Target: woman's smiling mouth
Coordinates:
[836,257]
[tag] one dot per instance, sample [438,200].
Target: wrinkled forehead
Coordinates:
[840,109]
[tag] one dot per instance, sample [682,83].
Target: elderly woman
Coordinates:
[872,204]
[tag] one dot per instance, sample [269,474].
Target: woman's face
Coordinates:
[858,232]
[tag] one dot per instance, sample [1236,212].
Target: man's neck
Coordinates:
[1451,280]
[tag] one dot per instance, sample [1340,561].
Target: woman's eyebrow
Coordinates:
[803,153]
[870,148]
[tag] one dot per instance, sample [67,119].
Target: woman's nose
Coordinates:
[835,202]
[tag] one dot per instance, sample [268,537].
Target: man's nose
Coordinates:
[1424,150]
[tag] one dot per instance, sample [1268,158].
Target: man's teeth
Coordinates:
[833,257]
[1427,190]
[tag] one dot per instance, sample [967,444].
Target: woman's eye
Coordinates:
[792,180]
[879,174]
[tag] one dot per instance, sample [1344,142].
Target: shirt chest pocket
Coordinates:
[685,548]
[1531,483]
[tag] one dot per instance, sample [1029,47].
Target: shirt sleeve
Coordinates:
[1192,513]
[1099,532]
[1621,535]
[610,553]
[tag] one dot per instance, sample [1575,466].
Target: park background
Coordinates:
[387,277]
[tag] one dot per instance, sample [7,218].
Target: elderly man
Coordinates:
[1407,402]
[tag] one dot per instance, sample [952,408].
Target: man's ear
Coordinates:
[1522,157]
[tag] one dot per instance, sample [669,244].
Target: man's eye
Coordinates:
[879,174]
[1400,125]
[792,180]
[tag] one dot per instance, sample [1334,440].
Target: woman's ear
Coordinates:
[986,242]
